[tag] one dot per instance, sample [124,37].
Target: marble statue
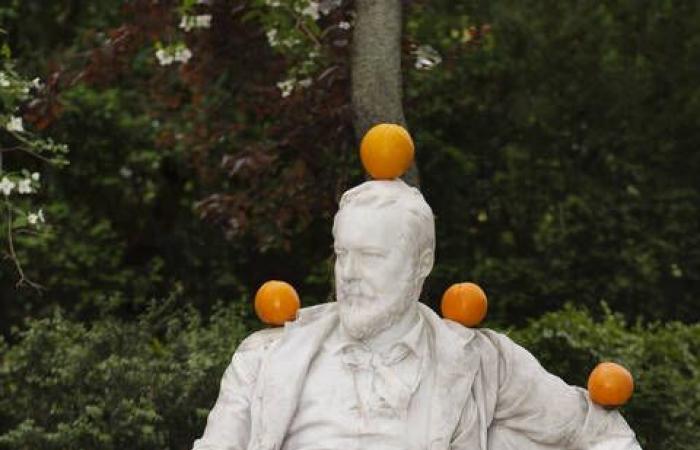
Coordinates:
[378,370]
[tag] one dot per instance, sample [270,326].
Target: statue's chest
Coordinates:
[338,408]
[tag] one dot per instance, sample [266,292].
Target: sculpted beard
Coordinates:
[364,315]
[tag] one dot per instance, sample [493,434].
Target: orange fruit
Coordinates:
[610,384]
[276,302]
[464,303]
[386,151]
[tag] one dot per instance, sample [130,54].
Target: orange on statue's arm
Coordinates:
[464,303]
[386,151]
[610,384]
[276,302]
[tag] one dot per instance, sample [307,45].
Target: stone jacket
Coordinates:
[489,393]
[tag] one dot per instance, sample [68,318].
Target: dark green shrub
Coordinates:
[146,384]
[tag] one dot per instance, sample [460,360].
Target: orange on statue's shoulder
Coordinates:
[386,151]
[610,384]
[276,302]
[464,303]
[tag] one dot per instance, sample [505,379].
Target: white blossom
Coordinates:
[273,3]
[183,54]
[272,37]
[14,124]
[306,82]
[36,176]
[25,186]
[311,10]
[37,84]
[189,23]
[326,6]
[36,218]
[6,186]
[164,57]
[426,57]
[4,81]
[167,56]
[125,172]
[344,25]
[286,87]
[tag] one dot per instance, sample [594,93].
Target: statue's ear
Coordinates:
[425,263]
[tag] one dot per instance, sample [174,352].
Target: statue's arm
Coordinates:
[537,410]
[228,424]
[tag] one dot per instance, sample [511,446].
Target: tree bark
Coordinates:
[376,68]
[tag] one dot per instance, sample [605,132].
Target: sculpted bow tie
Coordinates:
[394,376]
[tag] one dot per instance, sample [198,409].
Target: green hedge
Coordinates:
[149,384]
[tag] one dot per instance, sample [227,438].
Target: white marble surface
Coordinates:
[379,370]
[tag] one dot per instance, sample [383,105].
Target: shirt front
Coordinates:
[356,399]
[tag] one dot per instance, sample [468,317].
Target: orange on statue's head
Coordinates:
[386,151]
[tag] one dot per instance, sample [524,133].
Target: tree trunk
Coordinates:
[376,68]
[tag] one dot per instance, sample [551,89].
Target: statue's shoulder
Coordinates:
[486,341]
[263,340]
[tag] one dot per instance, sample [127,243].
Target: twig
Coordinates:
[13,256]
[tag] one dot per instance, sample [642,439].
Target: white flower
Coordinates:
[272,37]
[164,57]
[167,56]
[14,124]
[426,57]
[36,218]
[273,3]
[188,23]
[125,172]
[286,87]
[306,82]
[311,10]
[4,81]
[326,6]
[37,84]
[25,186]
[6,186]
[36,176]
[204,21]
[344,25]
[183,54]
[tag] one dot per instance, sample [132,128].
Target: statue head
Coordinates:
[384,240]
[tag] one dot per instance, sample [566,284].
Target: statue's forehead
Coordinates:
[368,226]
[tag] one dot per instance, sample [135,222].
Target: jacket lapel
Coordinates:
[456,365]
[284,375]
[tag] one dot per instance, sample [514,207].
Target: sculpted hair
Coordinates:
[395,194]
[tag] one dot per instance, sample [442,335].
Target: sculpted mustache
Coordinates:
[354,291]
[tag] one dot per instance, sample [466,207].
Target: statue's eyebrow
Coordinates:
[370,248]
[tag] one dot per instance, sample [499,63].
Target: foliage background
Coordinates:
[557,144]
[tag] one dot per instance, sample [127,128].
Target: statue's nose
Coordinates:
[349,269]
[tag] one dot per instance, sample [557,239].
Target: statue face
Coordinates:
[375,270]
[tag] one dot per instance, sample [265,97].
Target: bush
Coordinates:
[663,358]
[150,383]
[114,385]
